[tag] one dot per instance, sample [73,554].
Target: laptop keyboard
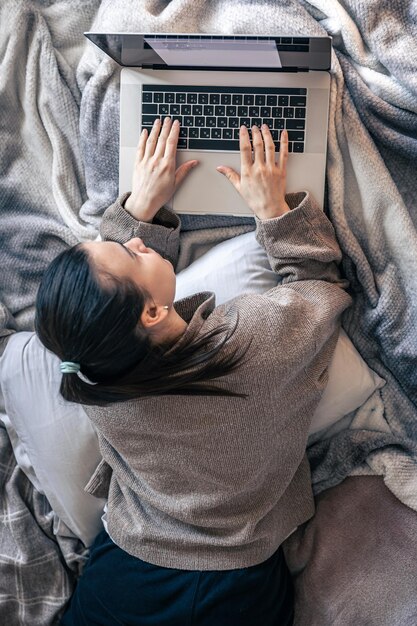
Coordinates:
[210,117]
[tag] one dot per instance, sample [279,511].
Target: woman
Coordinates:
[202,412]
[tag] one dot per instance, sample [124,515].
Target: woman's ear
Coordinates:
[153,314]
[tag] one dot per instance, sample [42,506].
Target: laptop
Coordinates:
[213,84]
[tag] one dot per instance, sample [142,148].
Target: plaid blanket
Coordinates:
[38,569]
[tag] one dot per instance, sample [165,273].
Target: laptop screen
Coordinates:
[248,52]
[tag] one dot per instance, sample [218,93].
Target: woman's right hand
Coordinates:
[261,182]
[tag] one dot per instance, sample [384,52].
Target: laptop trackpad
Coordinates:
[205,190]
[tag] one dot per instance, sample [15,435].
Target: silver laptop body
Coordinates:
[209,77]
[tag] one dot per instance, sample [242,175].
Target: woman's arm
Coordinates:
[298,237]
[155,180]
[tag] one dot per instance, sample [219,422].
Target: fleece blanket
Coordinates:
[60,150]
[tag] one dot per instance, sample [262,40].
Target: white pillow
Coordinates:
[54,441]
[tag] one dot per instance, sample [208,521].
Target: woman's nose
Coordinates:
[136,244]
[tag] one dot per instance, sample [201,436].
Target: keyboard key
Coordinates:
[211,122]
[146,96]
[188,121]
[182,143]
[298,147]
[205,133]
[279,122]
[236,133]
[300,113]
[186,109]
[148,120]
[242,111]
[244,121]
[221,122]
[169,97]
[192,98]
[226,98]
[216,133]
[295,135]
[268,121]
[175,109]
[197,109]
[253,112]
[277,146]
[177,117]
[276,112]
[163,109]
[158,97]
[214,98]
[220,111]
[203,98]
[298,101]
[233,122]
[265,112]
[271,101]
[193,132]
[283,101]
[275,134]
[288,112]
[231,111]
[181,98]
[213,144]
[259,100]
[237,99]
[199,121]
[256,121]
[208,110]
[295,124]
[183,132]
[227,133]
[150,108]
[248,99]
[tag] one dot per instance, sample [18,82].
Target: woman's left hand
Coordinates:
[155,178]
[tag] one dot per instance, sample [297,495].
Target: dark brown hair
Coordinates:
[98,326]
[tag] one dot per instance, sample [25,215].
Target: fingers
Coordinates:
[162,139]
[172,140]
[269,145]
[245,149]
[153,138]
[258,146]
[140,153]
[283,153]
[182,172]
[230,174]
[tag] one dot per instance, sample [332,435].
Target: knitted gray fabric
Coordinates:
[219,482]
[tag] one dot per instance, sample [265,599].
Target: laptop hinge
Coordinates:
[155,66]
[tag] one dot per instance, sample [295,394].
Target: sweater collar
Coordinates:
[194,310]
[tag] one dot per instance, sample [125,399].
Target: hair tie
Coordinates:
[68,367]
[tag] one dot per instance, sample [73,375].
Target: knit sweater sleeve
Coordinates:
[302,248]
[163,234]
[301,244]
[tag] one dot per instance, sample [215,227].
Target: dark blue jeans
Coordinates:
[117,588]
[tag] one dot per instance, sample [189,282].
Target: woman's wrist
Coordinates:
[139,211]
[271,213]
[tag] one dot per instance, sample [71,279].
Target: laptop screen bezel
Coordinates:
[318,56]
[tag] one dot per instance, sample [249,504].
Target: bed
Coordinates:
[354,562]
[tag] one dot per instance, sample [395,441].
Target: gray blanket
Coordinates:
[59,155]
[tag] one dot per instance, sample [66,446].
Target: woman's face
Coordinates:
[148,269]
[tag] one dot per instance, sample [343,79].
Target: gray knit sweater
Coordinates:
[215,483]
